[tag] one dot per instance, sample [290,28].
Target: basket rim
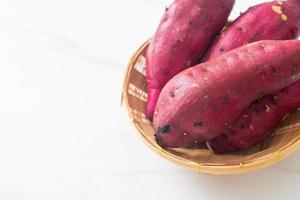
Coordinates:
[252,165]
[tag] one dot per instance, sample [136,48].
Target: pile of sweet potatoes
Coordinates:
[227,86]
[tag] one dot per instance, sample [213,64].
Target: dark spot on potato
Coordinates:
[225,99]
[223,137]
[204,69]
[240,29]
[242,126]
[262,46]
[275,70]
[273,99]
[256,109]
[292,32]
[166,9]
[198,58]
[254,38]
[164,129]
[174,45]
[166,17]
[190,73]
[257,102]
[198,124]
[222,50]
[172,94]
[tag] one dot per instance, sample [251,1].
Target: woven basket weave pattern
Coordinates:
[284,140]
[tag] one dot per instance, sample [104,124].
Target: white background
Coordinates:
[63,133]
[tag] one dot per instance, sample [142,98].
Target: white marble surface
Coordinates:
[63,134]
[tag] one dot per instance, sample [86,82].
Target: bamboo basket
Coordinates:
[284,141]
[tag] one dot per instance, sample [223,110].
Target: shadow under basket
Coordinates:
[284,141]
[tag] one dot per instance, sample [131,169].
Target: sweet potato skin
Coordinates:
[277,20]
[185,32]
[258,121]
[201,102]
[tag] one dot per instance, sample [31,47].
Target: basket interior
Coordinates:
[135,92]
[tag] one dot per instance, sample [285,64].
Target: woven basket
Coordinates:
[284,141]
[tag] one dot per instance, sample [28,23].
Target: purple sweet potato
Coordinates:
[201,102]
[258,121]
[277,20]
[272,20]
[185,32]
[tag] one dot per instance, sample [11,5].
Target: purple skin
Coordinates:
[258,121]
[267,21]
[185,32]
[201,102]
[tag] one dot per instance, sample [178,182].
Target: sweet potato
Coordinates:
[271,20]
[277,20]
[258,121]
[185,32]
[201,102]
